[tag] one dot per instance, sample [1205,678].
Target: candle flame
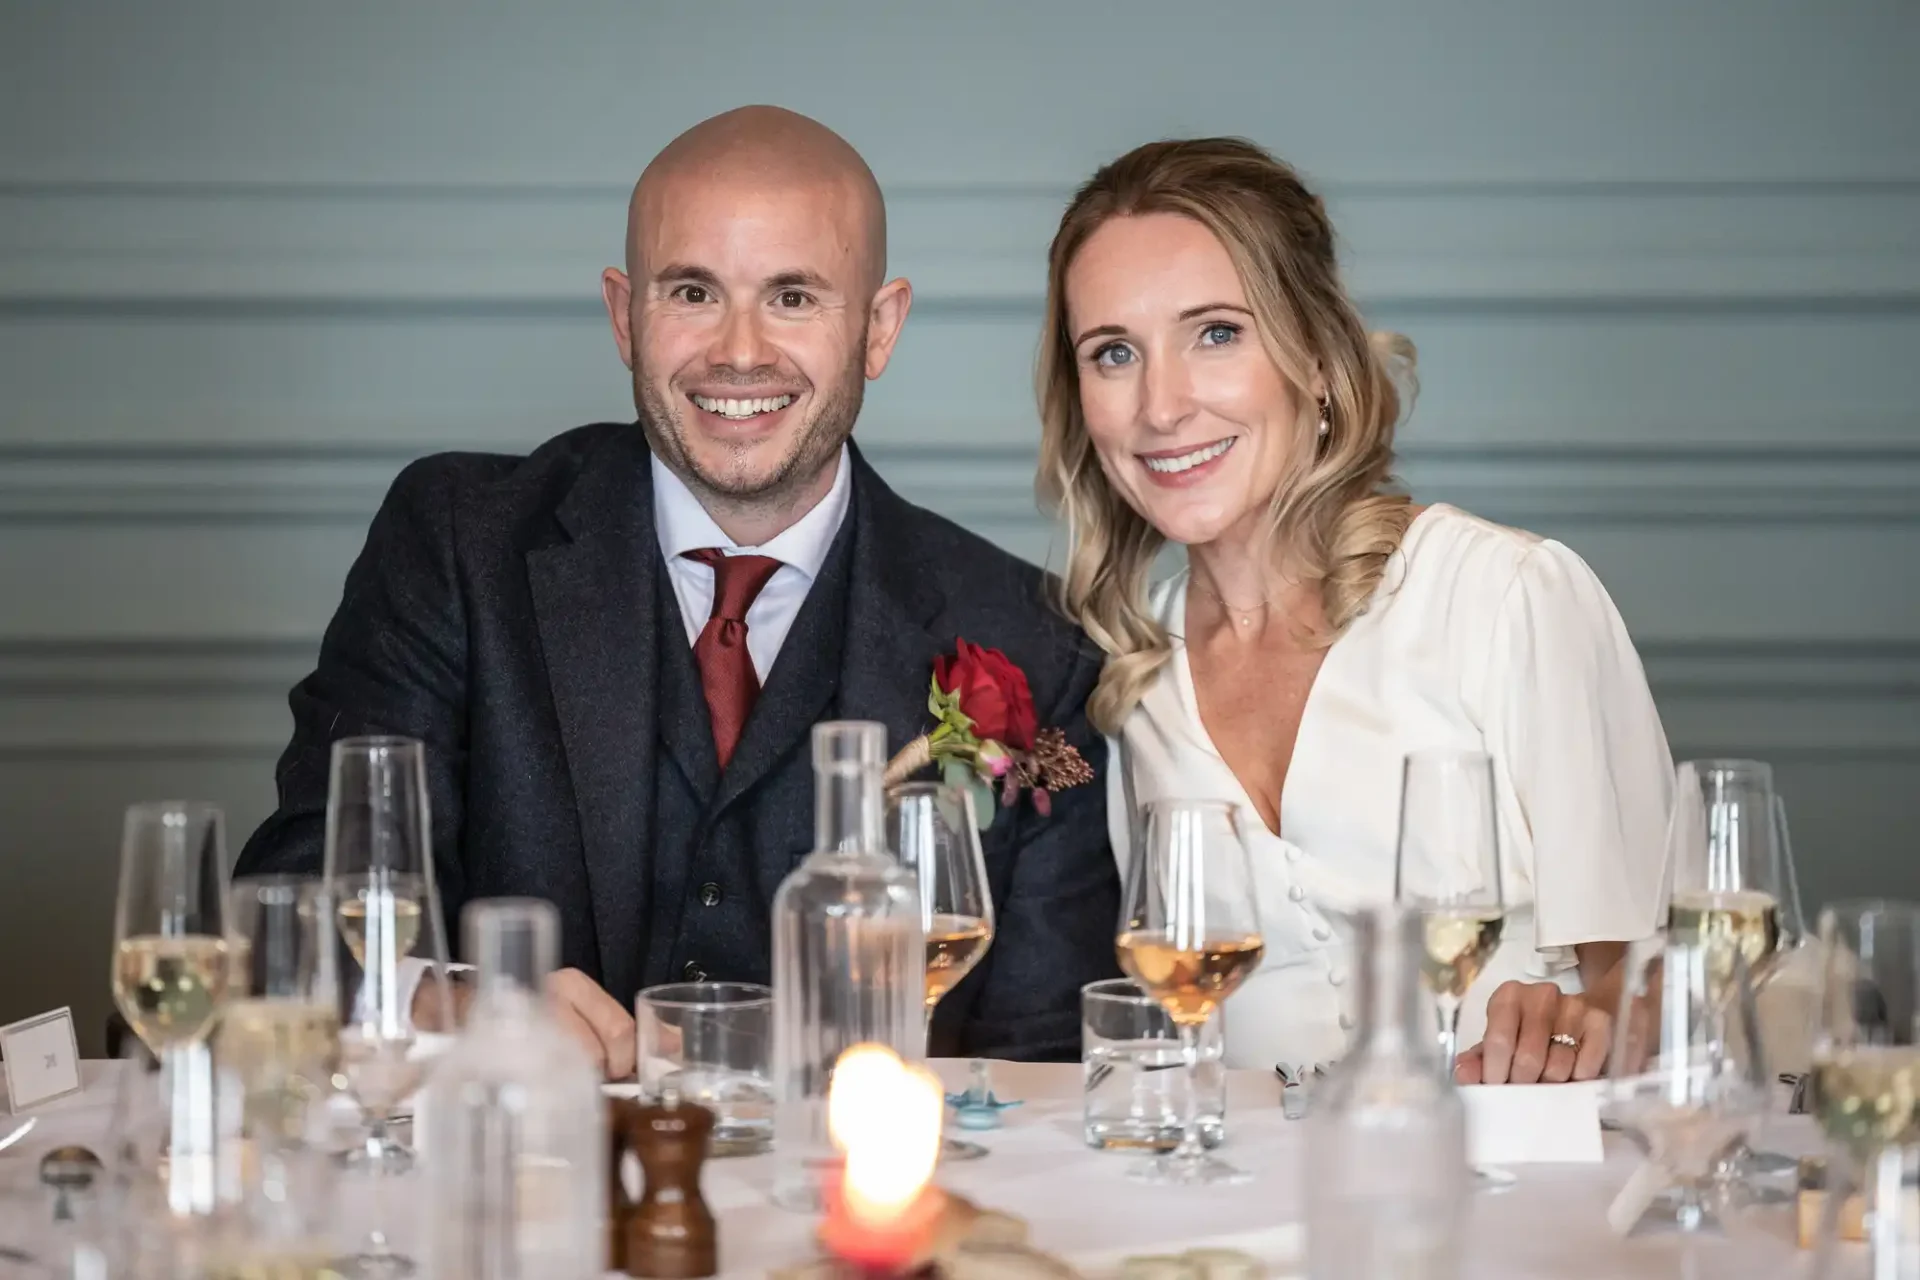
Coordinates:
[885,1116]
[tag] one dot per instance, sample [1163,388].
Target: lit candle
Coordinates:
[885,1118]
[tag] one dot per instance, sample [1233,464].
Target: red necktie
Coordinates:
[726,668]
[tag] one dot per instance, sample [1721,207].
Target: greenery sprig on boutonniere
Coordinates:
[986,736]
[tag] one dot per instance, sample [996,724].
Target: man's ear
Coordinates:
[617,292]
[885,318]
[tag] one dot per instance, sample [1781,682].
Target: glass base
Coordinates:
[955,1149]
[376,1266]
[1675,1212]
[1175,1171]
[381,1157]
[1746,1178]
[1490,1181]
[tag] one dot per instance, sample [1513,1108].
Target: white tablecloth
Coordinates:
[1081,1204]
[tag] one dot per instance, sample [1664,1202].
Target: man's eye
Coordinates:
[693,293]
[792,298]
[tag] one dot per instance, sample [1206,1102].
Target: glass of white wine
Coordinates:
[278,1042]
[280,1032]
[379,874]
[1733,889]
[1686,1077]
[171,972]
[1190,935]
[1866,1068]
[932,827]
[1447,868]
[1728,864]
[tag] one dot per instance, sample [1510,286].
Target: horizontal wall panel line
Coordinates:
[1814,245]
[1762,484]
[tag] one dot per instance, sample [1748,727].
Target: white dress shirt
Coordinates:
[1479,637]
[681,524]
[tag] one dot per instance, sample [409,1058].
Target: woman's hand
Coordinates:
[1523,1019]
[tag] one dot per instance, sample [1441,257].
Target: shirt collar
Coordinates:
[681,524]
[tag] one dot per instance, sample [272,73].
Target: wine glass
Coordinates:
[1686,1077]
[1447,868]
[171,972]
[379,871]
[1189,934]
[1866,1062]
[279,1036]
[1733,889]
[932,827]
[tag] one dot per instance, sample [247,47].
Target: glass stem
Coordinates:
[1448,1011]
[1191,1150]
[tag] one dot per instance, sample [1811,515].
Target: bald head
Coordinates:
[752,310]
[770,151]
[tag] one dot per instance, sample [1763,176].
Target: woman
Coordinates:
[1205,380]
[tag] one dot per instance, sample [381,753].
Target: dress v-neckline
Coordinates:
[1176,624]
[1190,696]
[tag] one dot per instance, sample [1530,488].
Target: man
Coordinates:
[564,630]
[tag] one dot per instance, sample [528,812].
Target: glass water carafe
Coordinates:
[849,953]
[1387,1175]
[515,1132]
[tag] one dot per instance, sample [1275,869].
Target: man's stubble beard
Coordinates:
[814,448]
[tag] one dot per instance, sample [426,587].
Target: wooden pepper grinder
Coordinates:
[670,1232]
[620,1201]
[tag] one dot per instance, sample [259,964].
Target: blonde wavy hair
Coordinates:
[1336,513]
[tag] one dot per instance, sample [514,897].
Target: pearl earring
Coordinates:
[1325,425]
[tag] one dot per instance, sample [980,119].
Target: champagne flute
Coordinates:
[932,827]
[1726,859]
[1866,1063]
[280,1032]
[1734,890]
[171,972]
[1447,868]
[1189,934]
[1686,1077]
[379,871]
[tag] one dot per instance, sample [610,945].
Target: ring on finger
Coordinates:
[1563,1039]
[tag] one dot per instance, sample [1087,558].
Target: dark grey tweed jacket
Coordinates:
[515,615]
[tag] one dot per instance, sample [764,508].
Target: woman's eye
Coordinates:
[1219,334]
[1113,355]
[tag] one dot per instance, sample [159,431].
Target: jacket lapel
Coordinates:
[887,655]
[596,603]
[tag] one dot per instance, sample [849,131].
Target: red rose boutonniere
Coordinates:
[987,736]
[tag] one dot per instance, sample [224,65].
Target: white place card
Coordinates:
[1533,1124]
[42,1059]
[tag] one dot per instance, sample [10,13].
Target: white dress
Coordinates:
[1479,637]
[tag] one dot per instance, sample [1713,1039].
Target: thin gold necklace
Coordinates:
[1242,616]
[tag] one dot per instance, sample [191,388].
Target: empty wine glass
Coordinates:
[379,871]
[1447,868]
[1190,934]
[1686,1076]
[931,827]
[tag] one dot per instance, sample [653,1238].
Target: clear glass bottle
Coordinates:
[515,1147]
[1388,1184]
[849,953]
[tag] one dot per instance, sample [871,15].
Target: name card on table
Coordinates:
[42,1059]
[1533,1123]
